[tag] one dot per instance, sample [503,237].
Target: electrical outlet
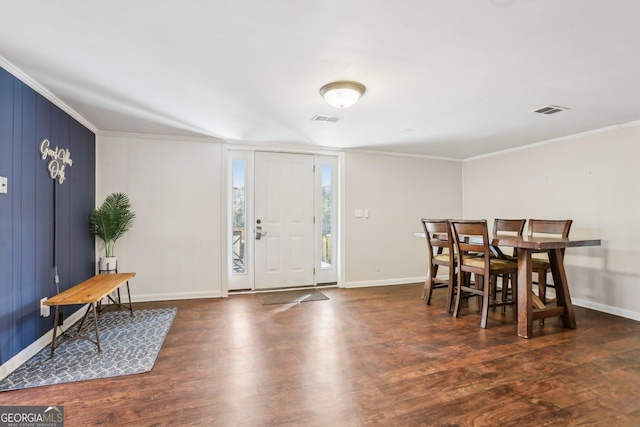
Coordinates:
[45,310]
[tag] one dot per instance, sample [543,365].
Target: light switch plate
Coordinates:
[3,185]
[358,213]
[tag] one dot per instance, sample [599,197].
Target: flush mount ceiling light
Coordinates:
[342,94]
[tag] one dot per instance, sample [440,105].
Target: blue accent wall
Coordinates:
[27,212]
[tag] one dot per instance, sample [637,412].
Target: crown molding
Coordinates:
[399,154]
[164,137]
[26,79]
[555,140]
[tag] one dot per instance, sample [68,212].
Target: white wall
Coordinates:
[175,189]
[398,191]
[593,179]
[174,186]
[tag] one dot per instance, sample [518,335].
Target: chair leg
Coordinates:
[542,288]
[479,285]
[485,300]
[513,280]
[504,293]
[510,286]
[456,310]
[450,290]
[428,288]
[432,270]
[542,285]
[493,287]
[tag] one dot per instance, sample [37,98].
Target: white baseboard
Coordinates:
[175,296]
[16,361]
[616,311]
[385,282]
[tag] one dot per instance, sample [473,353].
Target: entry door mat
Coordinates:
[129,344]
[290,297]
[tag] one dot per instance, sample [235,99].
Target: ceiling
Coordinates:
[453,79]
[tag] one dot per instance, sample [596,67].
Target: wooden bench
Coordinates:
[91,292]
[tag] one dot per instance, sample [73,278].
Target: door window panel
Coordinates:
[238,216]
[327,216]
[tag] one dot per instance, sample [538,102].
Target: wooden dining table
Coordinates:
[530,307]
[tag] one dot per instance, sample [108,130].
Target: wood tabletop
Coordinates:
[536,243]
[91,290]
[541,243]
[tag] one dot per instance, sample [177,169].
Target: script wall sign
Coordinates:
[60,158]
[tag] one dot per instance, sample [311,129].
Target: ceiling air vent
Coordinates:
[549,109]
[323,118]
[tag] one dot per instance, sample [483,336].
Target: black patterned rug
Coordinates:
[129,344]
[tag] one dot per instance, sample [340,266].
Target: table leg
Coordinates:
[563,297]
[95,325]
[55,330]
[525,307]
[84,318]
[129,295]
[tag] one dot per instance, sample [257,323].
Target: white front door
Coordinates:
[283,223]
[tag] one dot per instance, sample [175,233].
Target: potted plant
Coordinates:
[109,222]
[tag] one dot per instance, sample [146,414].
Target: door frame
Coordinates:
[231,152]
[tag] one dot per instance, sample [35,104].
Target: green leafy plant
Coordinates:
[111,220]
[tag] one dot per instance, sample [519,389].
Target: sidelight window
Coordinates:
[238,216]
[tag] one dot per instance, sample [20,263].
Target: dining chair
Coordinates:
[440,252]
[471,240]
[511,227]
[542,266]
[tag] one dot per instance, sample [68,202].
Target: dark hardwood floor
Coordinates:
[365,357]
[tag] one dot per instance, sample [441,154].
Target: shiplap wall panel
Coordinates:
[7,298]
[27,211]
[44,209]
[82,182]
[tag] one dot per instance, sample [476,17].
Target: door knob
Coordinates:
[259,232]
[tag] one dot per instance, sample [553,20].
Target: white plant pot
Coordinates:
[108,263]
